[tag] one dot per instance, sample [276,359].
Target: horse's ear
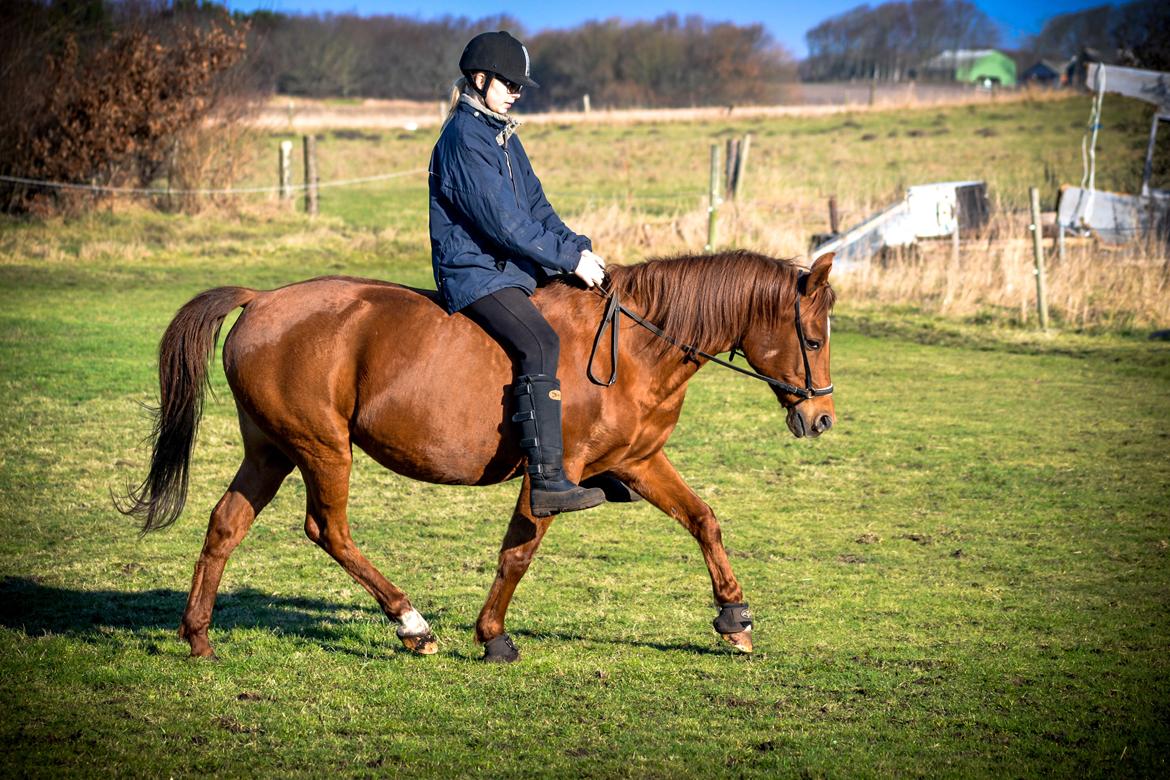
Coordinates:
[818,275]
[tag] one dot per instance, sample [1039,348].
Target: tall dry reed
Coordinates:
[1096,287]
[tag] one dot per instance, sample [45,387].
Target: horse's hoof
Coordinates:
[500,650]
[422,644]
[740,640]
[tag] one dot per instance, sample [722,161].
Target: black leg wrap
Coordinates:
[733,618]
[501,650]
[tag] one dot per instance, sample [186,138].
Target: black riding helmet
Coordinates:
[497,54]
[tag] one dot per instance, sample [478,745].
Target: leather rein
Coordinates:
[610,319]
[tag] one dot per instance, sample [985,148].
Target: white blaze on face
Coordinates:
[828,328]
[413,624]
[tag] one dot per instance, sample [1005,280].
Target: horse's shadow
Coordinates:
[90,615]
[36,609]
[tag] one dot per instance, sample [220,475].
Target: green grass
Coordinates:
[867,159]
[968,576]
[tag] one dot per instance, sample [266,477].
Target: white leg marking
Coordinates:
[413,624]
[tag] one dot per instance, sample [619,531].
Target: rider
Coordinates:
[495,238]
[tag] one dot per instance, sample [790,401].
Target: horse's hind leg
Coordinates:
[327,525]
[256,482]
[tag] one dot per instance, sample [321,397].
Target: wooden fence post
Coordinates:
[285,170]
[585,103]
[1038,258]
[834,218]
[311,174]
[713,199]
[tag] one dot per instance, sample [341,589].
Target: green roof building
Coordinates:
[973,66]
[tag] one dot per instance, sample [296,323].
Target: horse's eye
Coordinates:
[813,344]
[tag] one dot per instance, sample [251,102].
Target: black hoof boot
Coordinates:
[500,650]
[733,618]
[616,491]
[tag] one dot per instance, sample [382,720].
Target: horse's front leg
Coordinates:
[659,483]
[520,542]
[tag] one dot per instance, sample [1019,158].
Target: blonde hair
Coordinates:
[458,87]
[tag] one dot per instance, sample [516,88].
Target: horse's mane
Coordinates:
[710,301]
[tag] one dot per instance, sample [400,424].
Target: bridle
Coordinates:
[610,320]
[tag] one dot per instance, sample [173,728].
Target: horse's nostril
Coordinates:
[824,423]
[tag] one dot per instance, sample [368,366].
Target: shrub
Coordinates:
[109,106]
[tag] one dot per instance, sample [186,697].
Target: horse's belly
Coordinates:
[434,405]
[437,438]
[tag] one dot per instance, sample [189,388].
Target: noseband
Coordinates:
[610,320]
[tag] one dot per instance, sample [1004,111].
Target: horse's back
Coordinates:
[336,360]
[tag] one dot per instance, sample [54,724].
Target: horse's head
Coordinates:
[795,350]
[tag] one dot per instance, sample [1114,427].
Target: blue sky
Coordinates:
[787,20]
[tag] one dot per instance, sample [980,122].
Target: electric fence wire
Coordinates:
[209,191]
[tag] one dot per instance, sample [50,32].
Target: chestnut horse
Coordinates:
[319,366]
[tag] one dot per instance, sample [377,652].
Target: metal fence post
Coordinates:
[1038,258]
[741,162]
[713,199]
[286,148]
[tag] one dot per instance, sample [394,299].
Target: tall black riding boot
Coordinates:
[538,405]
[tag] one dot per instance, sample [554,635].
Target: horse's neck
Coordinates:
[577,317]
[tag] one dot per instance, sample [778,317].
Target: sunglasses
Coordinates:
[512,87]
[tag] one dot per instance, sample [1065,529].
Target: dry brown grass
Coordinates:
[1096,286]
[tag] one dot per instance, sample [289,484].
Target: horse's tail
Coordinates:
[183,358]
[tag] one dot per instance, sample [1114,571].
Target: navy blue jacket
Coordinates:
[491,225]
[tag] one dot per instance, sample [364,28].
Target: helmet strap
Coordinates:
[488,76]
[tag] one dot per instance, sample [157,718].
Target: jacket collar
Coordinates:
[509,124]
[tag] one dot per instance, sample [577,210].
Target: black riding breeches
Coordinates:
[510,318]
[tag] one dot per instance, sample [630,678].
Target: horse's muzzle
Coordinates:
[812,425]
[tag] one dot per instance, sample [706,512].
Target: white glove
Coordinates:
[590,269]
[596,257]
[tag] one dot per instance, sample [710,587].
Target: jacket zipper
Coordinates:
[511,178]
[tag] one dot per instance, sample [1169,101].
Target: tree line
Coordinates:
[891,41]
[670,61]
[1136,34]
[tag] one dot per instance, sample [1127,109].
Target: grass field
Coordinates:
[968,576]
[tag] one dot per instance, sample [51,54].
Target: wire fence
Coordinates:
[586,197]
